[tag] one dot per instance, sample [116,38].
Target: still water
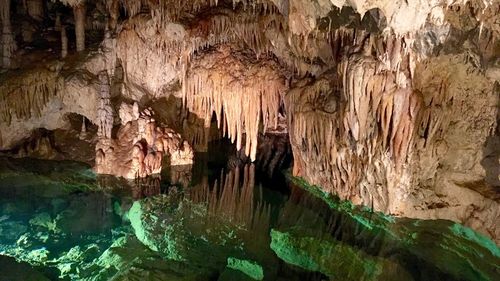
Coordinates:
[59,221]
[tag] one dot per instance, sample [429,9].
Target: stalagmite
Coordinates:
[105,111]
[83,131]
[8,41]
[140,146]
[64,42]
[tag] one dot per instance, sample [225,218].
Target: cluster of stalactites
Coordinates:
[73,3]
[436,103]
[378,96]
[27,95]
[390,49]
[341,128]
[222,27]
[241,28]
[226,27]
[238,92]
[171,10]
[332,45]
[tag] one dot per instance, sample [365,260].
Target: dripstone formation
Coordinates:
[390,104]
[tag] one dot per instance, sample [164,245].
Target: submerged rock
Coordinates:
[231,274]
[128,259]
[250,268]
[333,258]
[12,270]
[424,249]
[161,232]
[182,227]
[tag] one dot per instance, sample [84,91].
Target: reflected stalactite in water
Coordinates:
[180,175]
[235,197]
[139,188]
[324,222]
[146,187]
[151,185]
[229,216]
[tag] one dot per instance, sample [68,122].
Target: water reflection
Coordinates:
[235,198]
[139,188]
[190,213]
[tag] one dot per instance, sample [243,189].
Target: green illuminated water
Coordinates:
[59,221]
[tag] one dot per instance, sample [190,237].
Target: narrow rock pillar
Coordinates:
[8,41]
[64,42]
[79,12]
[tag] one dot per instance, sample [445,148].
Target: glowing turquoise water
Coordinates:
[59,221]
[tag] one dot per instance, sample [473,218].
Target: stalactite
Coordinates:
[57,23]
[132,7]
[239,93]
[8,41]
[27,95]
[113,7]
[373,115]
[83,131]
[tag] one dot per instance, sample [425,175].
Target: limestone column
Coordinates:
[35,10]
[114,12]
[104,111]
[79,11]
[64,42]
[8,42]
[57,24]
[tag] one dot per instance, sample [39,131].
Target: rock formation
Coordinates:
[255,91]
[8,42]
[139,147]
[64,42]
[79,13]
[390,104]
[104,111]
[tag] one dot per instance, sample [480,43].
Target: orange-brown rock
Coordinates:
[139,149]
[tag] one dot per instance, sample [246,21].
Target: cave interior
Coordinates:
[250,139]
